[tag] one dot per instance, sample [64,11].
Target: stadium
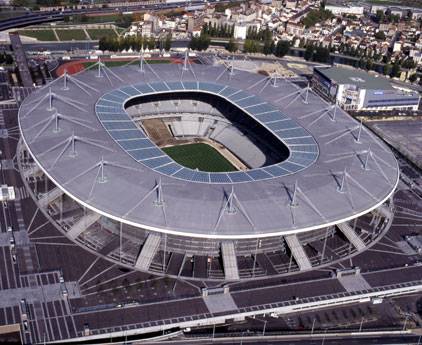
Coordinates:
[203,171]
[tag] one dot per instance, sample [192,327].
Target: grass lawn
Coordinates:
[117,63]
[199,156]
[96,34]
[41,35]
[71,34]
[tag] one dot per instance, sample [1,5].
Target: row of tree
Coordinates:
[259,35]
[317,53]
[200,43]
[217,31]
[135,43]
[252,46]
[388,17]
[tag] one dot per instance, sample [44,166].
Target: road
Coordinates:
[46,17]
[340,340]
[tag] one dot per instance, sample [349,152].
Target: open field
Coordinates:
[96,34]
[41,35]
[199,156]
[71,34]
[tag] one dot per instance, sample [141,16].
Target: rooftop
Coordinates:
[355,77]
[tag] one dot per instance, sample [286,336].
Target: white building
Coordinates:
[357,90]
[240,31]
[342,10]
[7,193]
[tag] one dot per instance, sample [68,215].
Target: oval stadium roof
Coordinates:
[337,169]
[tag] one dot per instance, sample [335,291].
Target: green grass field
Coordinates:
[41,35]
[71,34]
[96,34]
[199,156]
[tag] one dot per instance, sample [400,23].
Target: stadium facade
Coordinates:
[312,185]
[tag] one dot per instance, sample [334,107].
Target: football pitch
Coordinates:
[199,156]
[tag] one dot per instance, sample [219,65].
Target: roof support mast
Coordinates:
[65,87]
[185,61]
[359,132]
[141,61]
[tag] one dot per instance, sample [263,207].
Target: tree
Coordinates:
[231,46]
[309,52]
[268,47]
[8,59]
[316,16]
[124,21]
[380,16]
[395,70]
[386,69]
[151,43]
[282,48]
[408,63]
[199,43]
[322,54]
[205,29]
[413,77]
[380,35]
[167,43]
[250,46]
